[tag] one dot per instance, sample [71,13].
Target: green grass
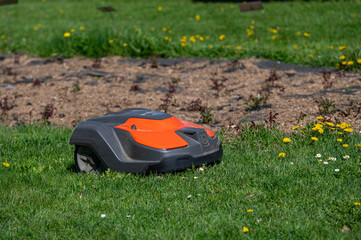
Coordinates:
[140,24]
[40,193]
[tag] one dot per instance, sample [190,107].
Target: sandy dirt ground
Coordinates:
[66,91]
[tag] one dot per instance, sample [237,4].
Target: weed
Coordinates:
[258,101]
[172,87]
[234,65]
[301,117]
[206,115]
[154,61]
[97,63]
[271,120]
[76,87]
[47,113]
[218,84]
[194,105]
[5,106]
[354,108]
[36,82]
[16,58]
[272,77]
[325,106]
[326,82]
[9,71]
[134,88]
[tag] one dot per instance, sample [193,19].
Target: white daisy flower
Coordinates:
[195,177]
[103,215]
[318,155]
[291,163]
[325,162]
[346,157]
[189,196]
[337,170]
[333,159]
[201,169]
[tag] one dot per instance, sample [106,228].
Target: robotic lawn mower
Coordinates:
[141,140]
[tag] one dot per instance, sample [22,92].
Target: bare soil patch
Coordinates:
[66,91]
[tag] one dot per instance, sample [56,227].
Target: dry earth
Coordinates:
[78,89]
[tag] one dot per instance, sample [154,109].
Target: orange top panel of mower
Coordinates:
[159,134]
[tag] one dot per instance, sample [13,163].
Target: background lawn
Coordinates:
[311,33]
[298,196]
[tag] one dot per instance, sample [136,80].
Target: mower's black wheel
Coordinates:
[86,160]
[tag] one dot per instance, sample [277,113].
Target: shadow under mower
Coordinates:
[139,140]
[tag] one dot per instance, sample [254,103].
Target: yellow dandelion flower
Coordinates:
[359,61]
[252,22]
[314,138]
[208,37]
[299,33]
[81,28]
[250,210]
[251,27]
[311,55]
[256,40]
[350,63]
[286,140]
[72,30]
[303,132]
[339,140]
[197,17]
[125,44]
[294,128]
[345,145]
[250,33]
[164,29]
[307,34]
[342,47]
[344,125]
[357,204]
[6,164]
[320,131]
[282,154]
[340,133]
[295,47]
[348,130]
[3,36]
[342,57]
[330,124]
[239,47]
[221,37]
[344,63]
[160,9]
[61,11]
[201,39]
[358,145]
[320,118]
[337,66]
[67,34]
[36,28]
[245,229]
[332,47]
[111,41]
[183,44]
[166,38]
[170,31]
[274,37]
[210,46]
[192,39]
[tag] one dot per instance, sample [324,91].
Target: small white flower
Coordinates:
[201,169]
[195,177]
[318,155]
[198,194]
[346,157]
[333,158]
[189,196]
[183,177]
[103,215]
[325,162]
[337,170]
[128,216]
[291,163]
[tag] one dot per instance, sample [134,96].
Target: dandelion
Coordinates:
[125,44]
[274,37]
[342,57]
[339,140]
[210,46]
[192,39]
[164,29]
[345,145]
[294,128]
[320,118]
[339,133]
[282,154]
[252,22]
[299,33]
[318,155]
[61,11]
[16,138]
[72,30]
[348,130]
[330,124]
[344,63]
[337,170]
[245,229]
[197,17]
[81,28]
[320,131]
[6,164]
[103,215]
[307,34]
[344,125]
[221,37]
[357,204]
[314,138]
[160,9]
[166,38]
[295,47]
[183,44]
[358,145]
[67,34]
[286,140]
[3,36]
[256,40]
[359,61]
[350,63]
[250,210]
[342,47]
[111,41]
[332,47]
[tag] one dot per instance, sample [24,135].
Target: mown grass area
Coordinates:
[251,193]
[311,33]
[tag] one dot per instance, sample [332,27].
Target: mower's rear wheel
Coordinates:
[86,160]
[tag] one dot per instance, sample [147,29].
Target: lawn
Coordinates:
[310,33]
[264,187]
